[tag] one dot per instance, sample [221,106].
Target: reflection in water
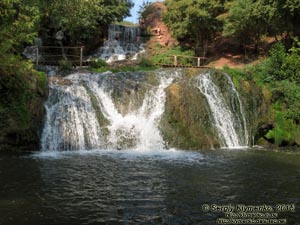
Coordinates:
[132,187]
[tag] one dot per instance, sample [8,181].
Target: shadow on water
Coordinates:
[148,187]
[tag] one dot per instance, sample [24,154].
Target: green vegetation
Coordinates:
[248,20]
[98,63]
[166,57]
[65,65]
[22,93]
[145,9]
[194,22]
[80,20]
[101,66]
[197,22]
[19,21]
[279,79]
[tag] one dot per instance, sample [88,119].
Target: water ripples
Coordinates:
[141,187]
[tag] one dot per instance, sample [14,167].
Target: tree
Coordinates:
[81,20]
[248,20]
[194,21]
[288,18]
[145,9]
[18,25]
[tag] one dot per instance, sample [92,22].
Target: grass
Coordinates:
[123,69]
[143,65]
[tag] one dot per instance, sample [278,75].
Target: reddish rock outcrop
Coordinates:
[154,24]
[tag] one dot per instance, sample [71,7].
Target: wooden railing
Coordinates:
[183,61]
[52,55]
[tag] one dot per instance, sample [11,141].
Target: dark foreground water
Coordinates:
[158,187]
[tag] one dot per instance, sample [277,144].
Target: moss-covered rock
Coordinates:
[186,121]
[256,100]
[21,109]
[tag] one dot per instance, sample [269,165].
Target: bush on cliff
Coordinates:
[278,76]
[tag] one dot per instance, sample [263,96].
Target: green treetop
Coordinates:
[194,21]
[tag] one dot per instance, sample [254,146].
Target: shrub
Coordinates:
[145,62]
[98,63]
[166,57]
[275,62]
[285,131]
[65,65]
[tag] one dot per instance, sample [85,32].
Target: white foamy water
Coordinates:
[72,122]
[171,155]
[139,126]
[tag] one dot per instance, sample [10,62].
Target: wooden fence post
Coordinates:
[175,60]
[81,56]
[198,62]
[37,55]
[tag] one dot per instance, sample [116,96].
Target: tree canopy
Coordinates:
[198,21]
[18,25]
[253,18]
[81,21]
[194,21]
[249,19]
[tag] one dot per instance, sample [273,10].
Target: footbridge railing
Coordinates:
[183,61]
[53,55]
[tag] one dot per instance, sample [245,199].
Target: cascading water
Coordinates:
[123,43]
[229,119]
[72,122]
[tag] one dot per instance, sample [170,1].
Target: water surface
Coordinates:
[148,187]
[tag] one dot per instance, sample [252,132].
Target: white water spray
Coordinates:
[138,127]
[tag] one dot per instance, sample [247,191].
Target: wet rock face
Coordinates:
[256,104]
[186,122]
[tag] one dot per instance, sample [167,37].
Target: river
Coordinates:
[144,187]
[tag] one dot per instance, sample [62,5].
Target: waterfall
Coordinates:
[72,121]
[127,110]
[123,43]
[227,117]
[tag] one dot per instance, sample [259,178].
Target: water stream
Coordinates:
[228,119]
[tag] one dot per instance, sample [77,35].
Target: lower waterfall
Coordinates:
[227,117]
[127,111]
[73,122]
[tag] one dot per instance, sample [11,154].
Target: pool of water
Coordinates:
[149,187]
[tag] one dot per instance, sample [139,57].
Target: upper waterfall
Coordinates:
[123,43]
